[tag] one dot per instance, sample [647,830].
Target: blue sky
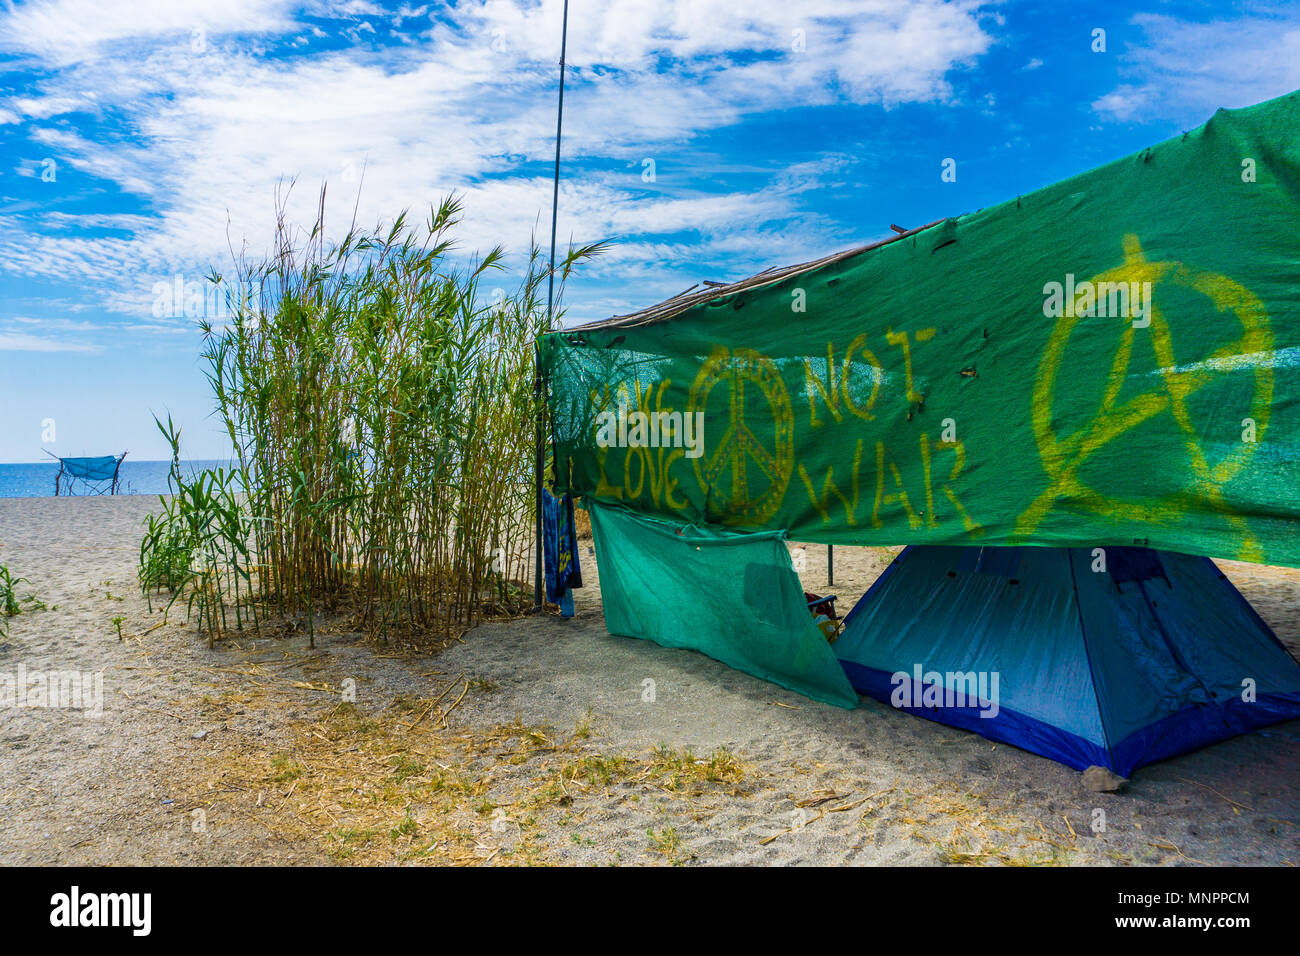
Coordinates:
[139,140]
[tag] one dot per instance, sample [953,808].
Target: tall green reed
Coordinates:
[381,407]
[198,547]
[9,604]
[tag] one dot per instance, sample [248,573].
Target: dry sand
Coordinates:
[249,754]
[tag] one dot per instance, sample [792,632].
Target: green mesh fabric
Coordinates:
[938,390]
[734,597]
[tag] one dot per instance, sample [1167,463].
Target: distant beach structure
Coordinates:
[94,476]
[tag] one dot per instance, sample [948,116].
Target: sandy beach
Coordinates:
[552,748]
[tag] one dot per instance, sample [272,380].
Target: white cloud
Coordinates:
[27,342]
[209,136]
[1184,71]
[63,32]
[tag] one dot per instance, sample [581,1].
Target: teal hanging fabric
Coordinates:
[734,597]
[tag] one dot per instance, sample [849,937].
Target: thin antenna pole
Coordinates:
[539,592]
[555,192]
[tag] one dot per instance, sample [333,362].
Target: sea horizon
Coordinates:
[35,479]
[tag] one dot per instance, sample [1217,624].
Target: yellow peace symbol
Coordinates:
[1062,457]
[739,446]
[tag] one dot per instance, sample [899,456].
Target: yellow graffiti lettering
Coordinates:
[877,373]
[653,465]
[724,473]
[639,456]
[901,340]
[604,487]
[899,496]
[959,462]
[1064,456]
[827,389]
[822,503]
[930,519]
[669,483]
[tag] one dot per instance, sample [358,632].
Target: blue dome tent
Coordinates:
[1115,657]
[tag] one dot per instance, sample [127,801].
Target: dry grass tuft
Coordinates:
[966,828]
[398,785]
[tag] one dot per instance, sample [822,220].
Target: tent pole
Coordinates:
[539,592]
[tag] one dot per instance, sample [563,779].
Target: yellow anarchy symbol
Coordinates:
[739,446]
[1063,456]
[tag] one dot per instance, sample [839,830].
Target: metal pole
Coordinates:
[539,463]
[830,565]
[539,592]
[555,191]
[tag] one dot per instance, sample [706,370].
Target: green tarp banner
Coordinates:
[1114,359]
[732,596]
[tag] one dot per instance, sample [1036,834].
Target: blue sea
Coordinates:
[36,480]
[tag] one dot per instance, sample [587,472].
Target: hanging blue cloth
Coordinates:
[92,469]
[560,551]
